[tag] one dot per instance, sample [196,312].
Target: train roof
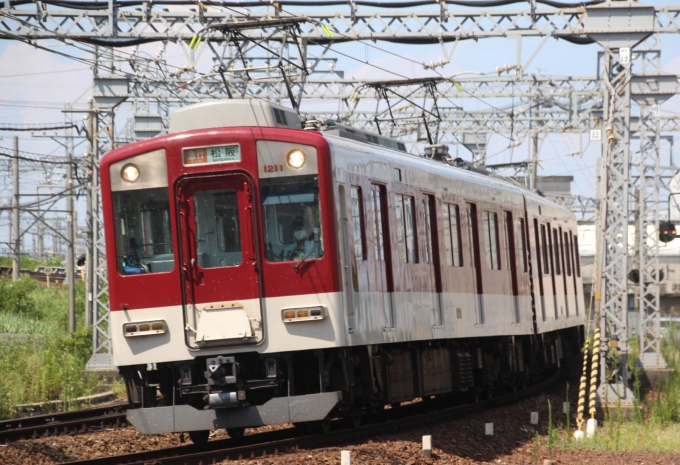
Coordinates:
[454,172]
[233,112]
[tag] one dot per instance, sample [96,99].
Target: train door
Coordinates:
[349,271]
[383,258]
[554,269]
[568,240]
[566,272]
[219,261]
[542,262]
[512,261]
[429,210]
[475,260]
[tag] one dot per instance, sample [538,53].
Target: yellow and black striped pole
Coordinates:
[582,387]
[594,373]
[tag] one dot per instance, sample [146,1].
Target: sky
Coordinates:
[35,86]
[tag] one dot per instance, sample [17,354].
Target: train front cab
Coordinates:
[225,278]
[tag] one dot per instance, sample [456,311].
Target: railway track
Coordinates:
[76,421]
[288,440]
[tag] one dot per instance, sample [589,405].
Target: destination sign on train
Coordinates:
[206,155]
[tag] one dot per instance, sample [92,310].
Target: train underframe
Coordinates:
[313,387]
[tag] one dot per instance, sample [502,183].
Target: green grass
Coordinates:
[20,324]
[654,423]
[50,365]
[27,263]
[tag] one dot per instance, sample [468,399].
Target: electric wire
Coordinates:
[318,3]
[261,3]
[8,153]
[43,72]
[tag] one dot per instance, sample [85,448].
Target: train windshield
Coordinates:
[143,236]
[292,218]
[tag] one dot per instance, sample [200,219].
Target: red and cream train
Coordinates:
[265,271]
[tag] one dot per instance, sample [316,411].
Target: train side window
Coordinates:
[428,229]
[577,257]
[522,244]
[358,223]
[567,254]
[544,248]
[377,203]
[538,262]
[452,245]
[406,233]
[493,259]
[556,251]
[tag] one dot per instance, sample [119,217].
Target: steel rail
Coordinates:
[283,441]
[63,422]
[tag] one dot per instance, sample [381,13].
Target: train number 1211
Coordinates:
[272,168]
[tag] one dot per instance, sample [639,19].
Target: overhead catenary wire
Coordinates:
[44,159]
[241,5]
[319,3]
[38,127]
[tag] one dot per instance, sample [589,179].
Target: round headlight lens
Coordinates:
[129,173]
[296,159]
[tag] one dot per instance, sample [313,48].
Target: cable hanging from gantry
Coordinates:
[382,88]
[285,30]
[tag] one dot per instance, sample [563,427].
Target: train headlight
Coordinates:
[295,315]
[296,159]
[129,173]
[145,328]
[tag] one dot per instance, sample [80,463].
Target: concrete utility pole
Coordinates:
[16,230]
[70,244]
[89,267]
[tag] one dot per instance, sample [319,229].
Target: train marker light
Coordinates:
[145,328]
[296,159]
[667,231]
[129,173]
[295,315]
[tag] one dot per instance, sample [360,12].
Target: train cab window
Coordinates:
[544,248]
[406,233]
[218,241]
[522,244]
[493,259]
[291,218]
[142,229]
[556,251]
[452,246]
[358,223]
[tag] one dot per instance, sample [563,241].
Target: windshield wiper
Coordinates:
[297,265]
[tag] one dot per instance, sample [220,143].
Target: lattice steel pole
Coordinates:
[617,27]
[650,188]
[649,333]
[614,228]
[103,140]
